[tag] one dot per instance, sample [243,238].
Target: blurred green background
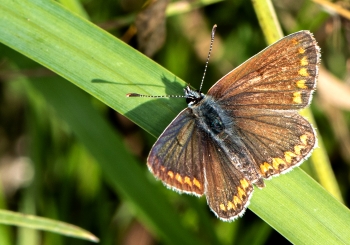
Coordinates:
[46,170]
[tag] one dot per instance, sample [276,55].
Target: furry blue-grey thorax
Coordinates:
[210,116]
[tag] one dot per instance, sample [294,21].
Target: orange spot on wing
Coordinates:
[171,174]
[297,98]
[298,148]
[303,139]
[304,61]
[222,207]
[276,162]
[303,72]
[301,84]
[196,183]
[188,181]
[178,178]
[245,184]
[289,156]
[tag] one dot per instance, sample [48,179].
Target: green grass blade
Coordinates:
[118,166]
[35,222]
[301,210]
[5,236]
[89,57]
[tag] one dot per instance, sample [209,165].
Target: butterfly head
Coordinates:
[192,96]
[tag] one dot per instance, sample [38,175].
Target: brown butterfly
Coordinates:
[246,129]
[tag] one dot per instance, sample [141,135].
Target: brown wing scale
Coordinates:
[282,76]
[175,158]
[278,141]
[228,190]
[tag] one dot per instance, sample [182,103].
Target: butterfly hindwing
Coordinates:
[176,157]
[282,76]
[278,141]
[228,191]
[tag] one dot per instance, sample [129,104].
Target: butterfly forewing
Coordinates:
[282,76]
[176,157]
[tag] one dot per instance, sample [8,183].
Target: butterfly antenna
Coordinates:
[154,96]
[210,48]
[182,96]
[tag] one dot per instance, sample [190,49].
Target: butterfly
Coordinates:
[244,130]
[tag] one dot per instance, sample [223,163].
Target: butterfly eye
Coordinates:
[190,101]
[193,100]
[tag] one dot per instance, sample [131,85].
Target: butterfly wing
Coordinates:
[176,157]
[188,159]
[265,137]
[282,76]
[228,191]
[276,140]
[262,96]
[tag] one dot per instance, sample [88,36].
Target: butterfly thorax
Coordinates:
[216,124]
[211,117]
